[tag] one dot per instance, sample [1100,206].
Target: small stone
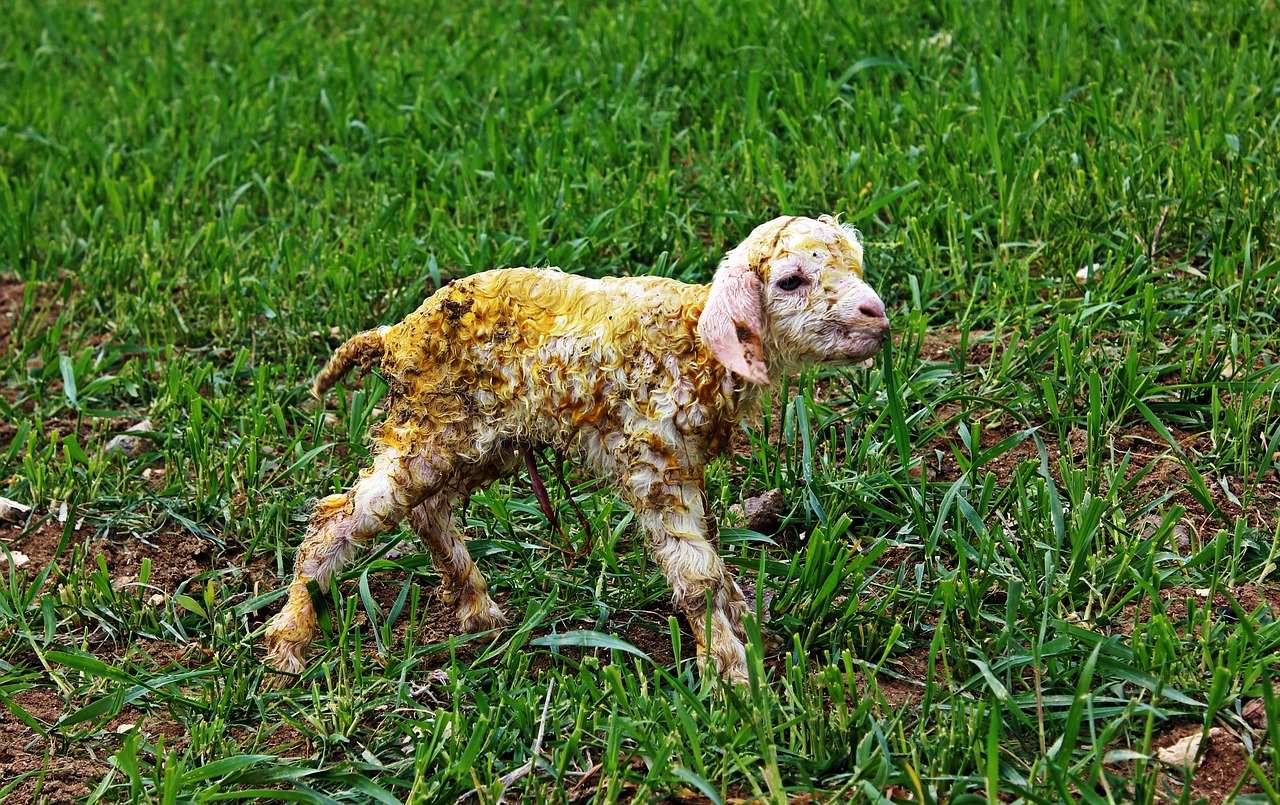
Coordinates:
[1182,539]
[153,474]
[129,444]
[1183,753]
[19,558]
[11,511]
[1088,273]
[1255,714]
[762,513]
[121,729]
[156,600]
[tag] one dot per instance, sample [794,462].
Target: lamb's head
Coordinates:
[789,295]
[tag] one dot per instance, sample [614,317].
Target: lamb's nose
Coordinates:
[872,308]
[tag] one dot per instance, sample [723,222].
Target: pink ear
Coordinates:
[731,322]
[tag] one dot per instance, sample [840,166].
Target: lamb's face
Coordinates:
[816,307]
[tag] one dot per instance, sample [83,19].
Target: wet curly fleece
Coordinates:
[643,378]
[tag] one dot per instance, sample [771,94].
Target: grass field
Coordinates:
[1033,546]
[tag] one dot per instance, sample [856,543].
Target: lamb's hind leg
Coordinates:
[340,525]
[462,585]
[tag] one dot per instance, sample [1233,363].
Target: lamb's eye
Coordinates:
[790,283]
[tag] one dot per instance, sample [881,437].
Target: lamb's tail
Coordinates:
[363,350]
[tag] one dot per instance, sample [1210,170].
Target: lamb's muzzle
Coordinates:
[643,378]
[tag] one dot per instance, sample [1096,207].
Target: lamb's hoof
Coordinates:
[284,665]
[482,617]
[730,663]
[735,672]
[287,644]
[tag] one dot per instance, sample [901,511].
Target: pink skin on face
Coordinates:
[817,279]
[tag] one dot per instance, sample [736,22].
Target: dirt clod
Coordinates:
[130,444]
[762,513]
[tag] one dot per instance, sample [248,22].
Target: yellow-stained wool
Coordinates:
[644,378]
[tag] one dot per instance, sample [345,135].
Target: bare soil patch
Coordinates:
[176,556]
[11,290]
[1222,764]
[1179,603]
[49,300]
[91,433]
[23,750]
[1148,452]
[902,680]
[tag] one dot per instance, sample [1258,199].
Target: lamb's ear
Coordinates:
[731,323]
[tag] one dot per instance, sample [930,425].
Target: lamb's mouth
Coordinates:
[859,343]
[877,334]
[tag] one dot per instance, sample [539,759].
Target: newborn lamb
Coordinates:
[643,378]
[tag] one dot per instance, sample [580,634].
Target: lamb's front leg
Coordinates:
[674,519]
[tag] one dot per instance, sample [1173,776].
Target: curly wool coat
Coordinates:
[643,378]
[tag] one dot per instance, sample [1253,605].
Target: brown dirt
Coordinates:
[941,344]
[22,750]
[11,290]
[1179,601]
[901,681]
[1146,449]
[70,768]
[92,433]
[48,304]
[1250,597]
[176,556]
[592,782]
[1223,763]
